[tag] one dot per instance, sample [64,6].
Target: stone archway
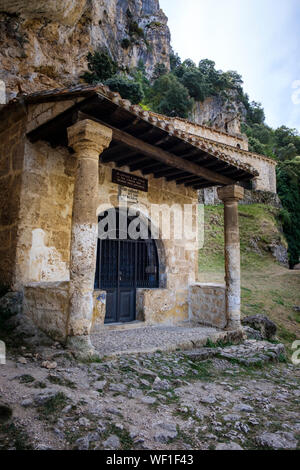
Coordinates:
[125,263]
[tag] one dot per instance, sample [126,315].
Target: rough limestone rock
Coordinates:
[159,384]
[280,253]
[166,432]
[243,408]
[11,304]
[112,442]
[261,323]
[222,114]
[121,388]
[44,44]
[41,398]
[67,12]
[82,443]
[252,334]
[21,326]
[228,446]
[5,413]
[278,440]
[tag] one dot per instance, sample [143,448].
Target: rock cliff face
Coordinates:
[66,12]
[223,114]
[44,43]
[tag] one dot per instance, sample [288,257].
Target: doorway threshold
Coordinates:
[124,326]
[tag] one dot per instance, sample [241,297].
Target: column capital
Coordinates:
[89,135]
[231,193]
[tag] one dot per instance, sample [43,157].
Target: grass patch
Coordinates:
[14,437]
[39,384]
[53,406]
[218,344]
[199,371]
[267,288]
[286,335]
[123,434]
[92,360]
[186,438]
[26,379]
[54,379]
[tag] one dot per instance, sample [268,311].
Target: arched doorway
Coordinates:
[124,264]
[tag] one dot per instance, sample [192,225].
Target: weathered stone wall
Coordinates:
[43,245]
[11,166]
[236,147]
[207,304]
[47,305]
[266,181]
[165,306]
[209,197]
[212,134]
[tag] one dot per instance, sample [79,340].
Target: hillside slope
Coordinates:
[268,287]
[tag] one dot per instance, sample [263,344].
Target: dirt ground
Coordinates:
[155,401]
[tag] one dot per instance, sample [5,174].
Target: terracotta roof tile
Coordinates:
[216,149]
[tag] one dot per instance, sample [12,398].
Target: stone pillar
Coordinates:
[230,195]
[88,139]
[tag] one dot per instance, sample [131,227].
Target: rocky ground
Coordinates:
[226,397]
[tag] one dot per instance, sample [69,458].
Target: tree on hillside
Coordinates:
[255,113]
[288,182]
[129,89]
[101,67]
[168,96]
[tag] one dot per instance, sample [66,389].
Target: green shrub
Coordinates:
[168,96]
[135,30]
[125,43]
[101,67]
[288,183]
[159,71]
[128,89]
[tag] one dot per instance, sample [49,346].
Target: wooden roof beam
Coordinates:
[186,179]
[177,175]
[160,155]
[116,153]
[203,185]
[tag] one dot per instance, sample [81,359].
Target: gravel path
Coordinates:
[150,339]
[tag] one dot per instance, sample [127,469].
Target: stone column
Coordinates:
[88,139]
[230,195]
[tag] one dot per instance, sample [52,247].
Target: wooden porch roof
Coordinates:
[141,140]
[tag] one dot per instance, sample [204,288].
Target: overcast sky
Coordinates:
[260,39]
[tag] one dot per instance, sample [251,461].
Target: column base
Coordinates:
[81,347]
[233,326]
[236,331]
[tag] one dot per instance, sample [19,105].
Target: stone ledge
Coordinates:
[208,284]
[250,353]
[150,339]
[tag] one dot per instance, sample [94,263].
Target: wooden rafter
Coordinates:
[160,155]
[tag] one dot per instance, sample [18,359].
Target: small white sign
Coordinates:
[2,353]
[2,92]
[128,195]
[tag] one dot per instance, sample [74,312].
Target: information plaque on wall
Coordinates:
[129,180]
